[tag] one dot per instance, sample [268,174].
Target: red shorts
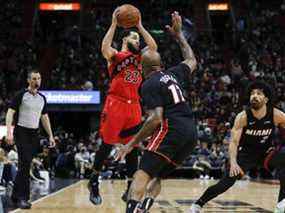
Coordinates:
[118,114]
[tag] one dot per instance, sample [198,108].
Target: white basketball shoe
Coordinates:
[195,209]
[280,207]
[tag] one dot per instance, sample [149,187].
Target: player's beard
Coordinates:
[256,105]
[132,48]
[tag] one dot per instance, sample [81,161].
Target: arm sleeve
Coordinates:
[16,101]
[44,111]
[152,96]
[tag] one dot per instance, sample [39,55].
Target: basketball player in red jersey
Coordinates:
[122,110]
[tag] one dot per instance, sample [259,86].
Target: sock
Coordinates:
[200,203]
[132,206]
[94,177]
[213,191]
[282,186]
[129,184]
[94,183]
[147,203]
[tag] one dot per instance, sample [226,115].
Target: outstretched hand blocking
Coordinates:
[176,31]
[176,26]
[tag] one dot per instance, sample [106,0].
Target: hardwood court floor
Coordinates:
[176,197]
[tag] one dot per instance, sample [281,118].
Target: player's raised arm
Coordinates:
[107,50]
[236,132]
[150,42]
[176,31]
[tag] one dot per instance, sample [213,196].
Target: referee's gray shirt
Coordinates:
[29,108]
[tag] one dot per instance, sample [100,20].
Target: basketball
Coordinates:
[128,16]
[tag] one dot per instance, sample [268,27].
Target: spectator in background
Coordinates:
[206,139]
[217,157]
[6,170]
[202,166]
[236,71]
[36,167]
[227,135]
[44,157]
[82,162]
[13,160]
[2,162]
[88,85]
[13,155]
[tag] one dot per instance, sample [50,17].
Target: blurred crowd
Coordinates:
[70,158]
[253,48]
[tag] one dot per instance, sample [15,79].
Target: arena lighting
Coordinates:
[59,6]
[218,6]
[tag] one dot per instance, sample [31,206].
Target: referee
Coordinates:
[30,107]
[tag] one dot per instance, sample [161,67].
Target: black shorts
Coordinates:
[269,159]
[155,165]
[168,142]
[169,151]
[249,161]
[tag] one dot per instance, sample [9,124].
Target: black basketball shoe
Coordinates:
[93,186]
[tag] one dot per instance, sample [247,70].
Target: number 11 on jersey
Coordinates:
[176,93]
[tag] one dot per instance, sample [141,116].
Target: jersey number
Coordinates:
[176,93]
[132,77]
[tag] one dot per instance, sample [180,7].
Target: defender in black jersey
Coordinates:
[169,123]
[251,145]
[176,133]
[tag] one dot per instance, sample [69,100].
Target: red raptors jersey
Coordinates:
[125,73]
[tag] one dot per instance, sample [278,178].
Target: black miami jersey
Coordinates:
[257,135]
[177,133]
[255,147]
[164,89]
